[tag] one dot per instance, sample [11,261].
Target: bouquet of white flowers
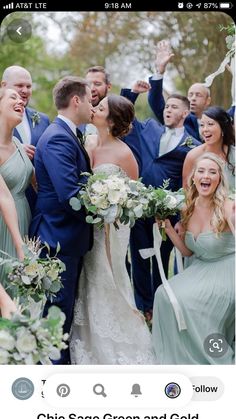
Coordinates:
[164,203]
[111,198]
[34,277]
[29,340]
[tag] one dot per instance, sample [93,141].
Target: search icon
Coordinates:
[216,345]
[99,390]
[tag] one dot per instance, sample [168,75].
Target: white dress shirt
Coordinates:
[70,124]
[170,139]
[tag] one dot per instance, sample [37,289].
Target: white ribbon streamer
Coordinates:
[145,253]
[179,260]
[229,60]
[209,79]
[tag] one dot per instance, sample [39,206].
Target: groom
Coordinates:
[59,160]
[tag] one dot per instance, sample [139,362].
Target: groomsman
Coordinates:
[198,94]
[33,124]
[100,84]
[60,158]
[162,150]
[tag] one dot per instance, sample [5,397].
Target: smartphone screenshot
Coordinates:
[117,210]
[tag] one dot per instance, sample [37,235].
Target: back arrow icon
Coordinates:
[19,30]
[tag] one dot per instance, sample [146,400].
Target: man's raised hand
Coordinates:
[163,55]
[140,86]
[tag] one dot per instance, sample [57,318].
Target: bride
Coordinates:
[107,327]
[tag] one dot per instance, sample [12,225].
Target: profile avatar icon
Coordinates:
[172,390]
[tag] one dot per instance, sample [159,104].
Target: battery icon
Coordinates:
[225,5]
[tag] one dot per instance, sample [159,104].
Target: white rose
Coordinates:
[6,340]
[99,201]
[26,342]
[111,184]
[97,186]
[114,196]
[104,190]
[171,201]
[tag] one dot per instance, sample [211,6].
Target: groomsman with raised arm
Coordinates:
[198,94]
[60,158]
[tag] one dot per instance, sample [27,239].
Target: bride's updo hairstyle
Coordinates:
[121,115]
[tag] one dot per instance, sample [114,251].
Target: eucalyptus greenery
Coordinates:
[31,340]
[34,277]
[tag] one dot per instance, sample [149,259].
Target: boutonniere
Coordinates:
[35,117]
[188,142]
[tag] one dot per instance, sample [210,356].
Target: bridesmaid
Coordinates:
[216,130]
[15,169]
[205,290]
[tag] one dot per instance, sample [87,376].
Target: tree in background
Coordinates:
[126,42]
[123,42]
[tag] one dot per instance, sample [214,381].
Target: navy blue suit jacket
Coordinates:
[59,161]
[37,129]
[144,140]
[155,169]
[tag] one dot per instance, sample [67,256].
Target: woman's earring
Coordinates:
[108,131]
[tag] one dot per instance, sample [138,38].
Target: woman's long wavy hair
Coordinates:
[218,221]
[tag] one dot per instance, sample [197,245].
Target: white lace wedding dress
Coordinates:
[107,327]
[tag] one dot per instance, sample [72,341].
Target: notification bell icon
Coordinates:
[136,390]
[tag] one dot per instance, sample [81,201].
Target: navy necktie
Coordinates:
[79,135]
[81,142]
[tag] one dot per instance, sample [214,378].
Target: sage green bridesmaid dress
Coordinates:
[206,295]
[17,172]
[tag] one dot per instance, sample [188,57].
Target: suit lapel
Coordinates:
[17,135]
[60,122]
[182,139]
[29,114]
